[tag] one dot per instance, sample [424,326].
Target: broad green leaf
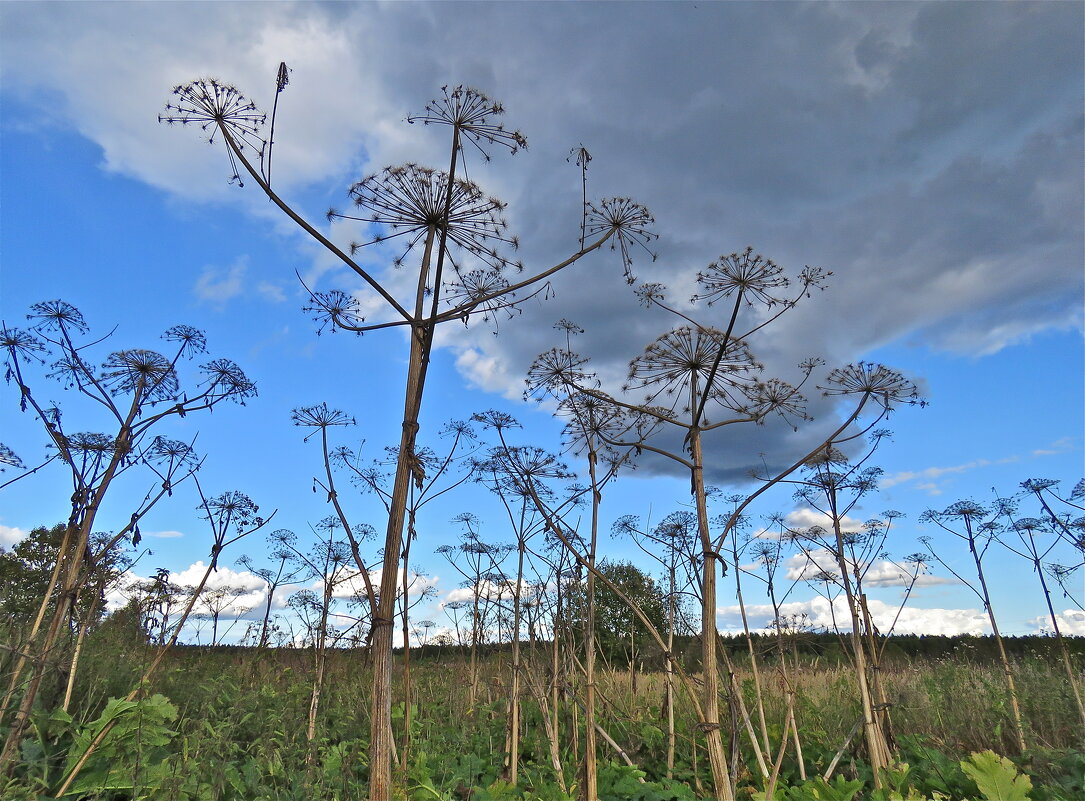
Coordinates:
[997,777]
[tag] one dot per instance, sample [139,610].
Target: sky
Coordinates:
[928,154]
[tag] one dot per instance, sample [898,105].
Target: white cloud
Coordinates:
[493,591]
[10,535]
[164,535]
[1071,622]
[818,613]
[270,291]
[883,573]
[806,518]
[252,590]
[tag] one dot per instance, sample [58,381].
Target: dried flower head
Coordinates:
[172,451]
[557,371]
[224,379]
[591,423]
[19,345]
[480,291]
[629,225]
[966,510]
[776,397]
[146,372]
[876,380]
[217,107]
[231,509]
[335,309]
[57,316]
[8,458]
[680,362]
[192,340]
[320,416]
[748,274]
[471,114]
[410,201]
[498,421]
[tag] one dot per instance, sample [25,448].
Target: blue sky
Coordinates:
[928,154]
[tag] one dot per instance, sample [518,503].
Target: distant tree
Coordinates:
[619,633]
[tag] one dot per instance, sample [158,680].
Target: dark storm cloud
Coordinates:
[929,154]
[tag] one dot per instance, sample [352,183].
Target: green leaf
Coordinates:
[996,777]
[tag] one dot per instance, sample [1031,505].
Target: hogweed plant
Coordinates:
[134,390]
[1034,539]
[699,378]
[453,234]
[976,526]
[231,516]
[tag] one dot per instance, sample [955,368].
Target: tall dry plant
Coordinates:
[590,426]
[976,526]
[698,379]
[456,233]
[833,485]
[231,516]
[1034,539]
[501,473]
[134,390]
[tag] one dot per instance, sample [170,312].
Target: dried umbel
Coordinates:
[482,292]
[320,416]
[886,386]
[8,458]
[218,108]
[224,379]
[593,424]
[166,449]
[410,201]
[192,340]
[231,509]
[679,364]
[146,372]
[776,397]
[748,273]
[471,114]
[630,224]
[57,316]
[335,309]
[556,371]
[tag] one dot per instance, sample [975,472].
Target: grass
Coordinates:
[239,730]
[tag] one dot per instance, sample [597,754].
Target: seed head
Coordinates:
[749,274]
[876,380]
[410,201]
[679,363]
[143,371]
[471,114]
[629,224]
[218,107]
[224,379]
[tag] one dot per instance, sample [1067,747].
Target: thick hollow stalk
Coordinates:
[717,759]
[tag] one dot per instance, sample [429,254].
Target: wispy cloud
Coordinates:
[164,535]
[1058,446]
[932,473]
[218,286]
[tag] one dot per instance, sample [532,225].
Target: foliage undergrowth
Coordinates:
[229,723]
